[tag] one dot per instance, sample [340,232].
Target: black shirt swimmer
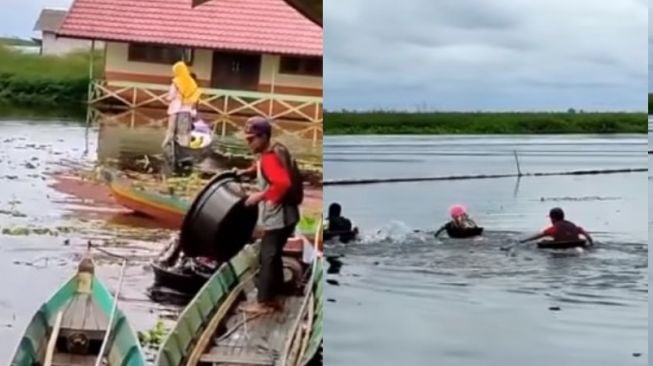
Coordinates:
[339,225]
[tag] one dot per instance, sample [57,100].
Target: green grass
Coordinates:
[35,80]
[385,123]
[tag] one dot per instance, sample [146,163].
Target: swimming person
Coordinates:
[338,225]
[337,222]
[561,230]
[459,220]
[183,96]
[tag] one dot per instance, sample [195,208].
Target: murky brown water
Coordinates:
[46,194]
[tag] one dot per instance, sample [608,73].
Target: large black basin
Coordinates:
[218,224]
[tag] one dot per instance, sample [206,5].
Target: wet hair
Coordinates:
[335,210]
[557,214]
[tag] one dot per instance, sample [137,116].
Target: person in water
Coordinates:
[337,222]
[339,225]
[183,96]
[561,230]
[279,209]
[459,220]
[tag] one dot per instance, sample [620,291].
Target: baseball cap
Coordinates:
[258,126]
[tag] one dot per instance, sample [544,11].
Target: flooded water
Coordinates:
[404,297]
[49,211]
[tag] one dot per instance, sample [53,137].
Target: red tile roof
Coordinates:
[265,26]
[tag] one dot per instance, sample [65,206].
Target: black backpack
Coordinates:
[295,194]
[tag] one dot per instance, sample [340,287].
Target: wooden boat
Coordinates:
[169,210]
[189,280]
[80,321]
[550,244]
[180,157]
[460,233]
[166,209]
[212,331]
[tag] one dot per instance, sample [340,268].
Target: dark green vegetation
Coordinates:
[387,123]
[43,81]
[650,103]
[14,41]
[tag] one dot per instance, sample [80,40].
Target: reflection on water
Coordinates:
[134,134]
[406,297]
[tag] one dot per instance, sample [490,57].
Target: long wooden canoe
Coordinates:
[70,328]
[166,209]
[212,331]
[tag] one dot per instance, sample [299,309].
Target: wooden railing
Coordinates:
[224,103]
[222,125]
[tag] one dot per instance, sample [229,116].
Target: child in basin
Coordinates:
[561,230]
[460,220]
[201,134]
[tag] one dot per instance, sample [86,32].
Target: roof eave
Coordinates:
[109,39]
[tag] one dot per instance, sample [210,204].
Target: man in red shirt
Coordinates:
[278,215]
[561,230]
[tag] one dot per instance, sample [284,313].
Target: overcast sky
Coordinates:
[486,55]
[650,49]
[17,17]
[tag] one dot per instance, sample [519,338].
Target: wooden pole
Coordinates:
[275,69]
[52,342]
[112,316]
[91,61]
[91,65]
[519,174]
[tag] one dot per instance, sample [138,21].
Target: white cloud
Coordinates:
[494,55]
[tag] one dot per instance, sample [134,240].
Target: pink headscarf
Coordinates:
[457,210]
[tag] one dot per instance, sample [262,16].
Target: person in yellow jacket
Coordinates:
[183,95]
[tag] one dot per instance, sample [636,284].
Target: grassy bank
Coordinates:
[34,80]
[386,123]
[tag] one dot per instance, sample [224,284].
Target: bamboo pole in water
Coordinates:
[519,174]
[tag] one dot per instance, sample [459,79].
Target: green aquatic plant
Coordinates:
[24,231]
[153,337]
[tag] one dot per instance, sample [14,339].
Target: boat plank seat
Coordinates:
[82,314]
[254,341]
[65,359]
[227,356]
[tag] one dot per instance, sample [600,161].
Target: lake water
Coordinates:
[41,163]
[404,297]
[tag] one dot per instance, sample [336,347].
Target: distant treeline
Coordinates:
[386,123]
[650,103]
[35,80]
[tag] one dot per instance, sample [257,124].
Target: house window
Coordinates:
[301,66]
[159,54]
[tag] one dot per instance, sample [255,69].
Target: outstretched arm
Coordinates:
[440,230]
[534,237]
[586,235]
